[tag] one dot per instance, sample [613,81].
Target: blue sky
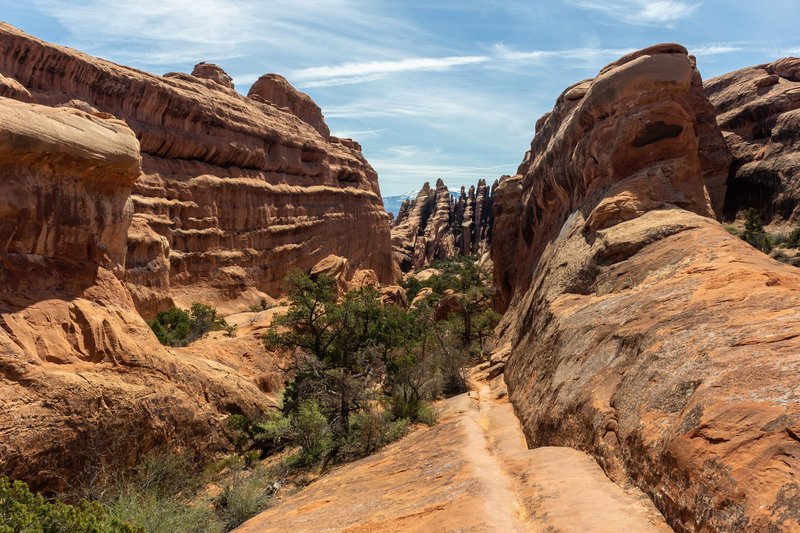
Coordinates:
[429,88]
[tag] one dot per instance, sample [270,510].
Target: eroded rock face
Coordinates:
[275,89]
[434,226]
[759,114]
[212,72]
[640,331]
[242,189]
[81,374]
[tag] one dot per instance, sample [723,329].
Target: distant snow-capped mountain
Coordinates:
[392,203]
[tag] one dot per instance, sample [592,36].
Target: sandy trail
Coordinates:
[471,472]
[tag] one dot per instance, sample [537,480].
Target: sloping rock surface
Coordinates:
[640,331]
[434,226]
[759,114]
[241,189]
[471,472]
[83,381]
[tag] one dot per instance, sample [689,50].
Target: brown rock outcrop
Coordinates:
[210,71]
[83,378]
[242,190]
[275,89]
[434,226]
[759,114]
[640,331]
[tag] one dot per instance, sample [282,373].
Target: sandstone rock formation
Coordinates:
[758,114]
[80,371]
[434,226]
[124,193]
[210,71]
[276,90]
[240,189]
[640,331]
[471,472]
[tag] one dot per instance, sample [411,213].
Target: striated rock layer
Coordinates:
[759,114]
[641,331]
[435,226]
[235,190]
[83,380]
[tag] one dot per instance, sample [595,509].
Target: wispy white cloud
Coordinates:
[370,70]
[641,12]
[365,134]
[713,49]
[334,82]
[507,53]
[167,32]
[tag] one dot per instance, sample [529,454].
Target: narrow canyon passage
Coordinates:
[471,472]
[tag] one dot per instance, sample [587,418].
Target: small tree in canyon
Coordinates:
[339,347]
[367,366]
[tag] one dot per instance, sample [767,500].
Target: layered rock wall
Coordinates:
[435,226]
[123,193]
[242,189]
[759,114]
[82,378]
[641,331]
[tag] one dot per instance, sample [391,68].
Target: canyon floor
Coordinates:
[471,472]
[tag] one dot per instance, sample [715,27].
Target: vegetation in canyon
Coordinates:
[179,327]
[363,369]
[363,373]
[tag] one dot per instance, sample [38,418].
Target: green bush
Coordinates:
[373,429]
[311,431]
[793,240]
[178,327]
[754,233]
[244,495]
[412,287]
[23,511]
[428,415]
[162,513]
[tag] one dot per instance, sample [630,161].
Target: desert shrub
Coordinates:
[754,233]
[161,513]
[276,427]
[23,511]
[372,429]
[412,287]
[165,474]
[793,240]
[311,430]
[178,327]
[306,427]
[428,415]
[262,305]
[730,228]
[779,255]
[244,495]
